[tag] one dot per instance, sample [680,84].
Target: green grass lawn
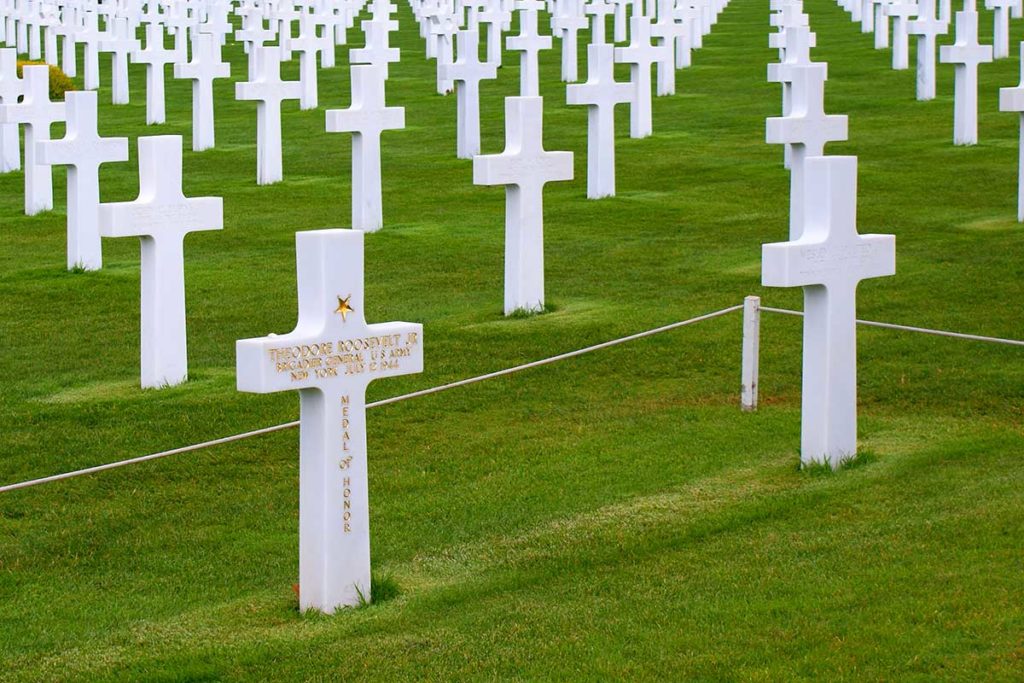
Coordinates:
[611,516]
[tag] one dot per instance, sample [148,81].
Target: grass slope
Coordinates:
[612,516]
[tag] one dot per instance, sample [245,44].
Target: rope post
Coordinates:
[751,352]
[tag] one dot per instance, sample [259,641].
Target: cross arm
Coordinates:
[73,152]
[143,218]
[805,262]
[360,121]
[799,130]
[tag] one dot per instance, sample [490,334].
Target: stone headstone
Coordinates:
[927,27]
[598,10]
[675,35]
[162,216]
[443,27]
[1012,99]
[600,93]
[568,25]
[366,119]
[523,168]
[966,54]
[881,24]
[619,21]
[901,12]
[1001,26]
[90,36]
[829,260]
[308,45]
[253,33]
[807,129]
[10,91]
[156,57]
[528,43]
[67,29]
[378,50]
[120,44]
[641,54]
[494,16]
[466,73]
[82,150]
[269,91]
[206,65]
[36,113]
[797,43]
[330,358]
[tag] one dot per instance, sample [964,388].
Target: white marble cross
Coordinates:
[253,34]
[161,217]
[10,91]
[1000,26]
[67,29]
[90,36]
[807,129]
[676,36]
[331,357]
[51,24]
[619,23]
[269,91]
[901,11]
[523,168]
[528,43]
[328,24]
[156,57]
[797,41]
[466,73]
[120,44]
[378,50]
[600,93]
[366,119]
[217,23]
[966,54]
[640,55]
[494,17]
[867,16]
[206,65]
[443,27]
[36,113]
[881,24]
[1012,99]
[31,20]
[828,261]
[927,27]
[569,25]
[82,150]
[598,10]
[308,45]
[181,25]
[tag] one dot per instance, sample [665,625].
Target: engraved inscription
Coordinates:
[344,357]
[821,260]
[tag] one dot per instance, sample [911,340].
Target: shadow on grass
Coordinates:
[383,588]
[522,313]
[819,469]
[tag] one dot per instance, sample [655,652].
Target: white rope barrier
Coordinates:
[490,375]
[909,328]
[383,402]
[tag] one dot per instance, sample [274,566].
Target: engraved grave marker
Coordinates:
[330,358]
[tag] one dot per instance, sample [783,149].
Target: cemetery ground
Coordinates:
[612,516]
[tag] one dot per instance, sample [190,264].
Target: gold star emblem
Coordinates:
[344,308]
